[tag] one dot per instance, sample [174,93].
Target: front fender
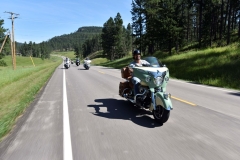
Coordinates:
[165,102]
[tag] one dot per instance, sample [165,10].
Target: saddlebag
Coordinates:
[122,86]
[126,72]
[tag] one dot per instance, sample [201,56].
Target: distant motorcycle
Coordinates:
[77,62]
[67,63]
[86,64]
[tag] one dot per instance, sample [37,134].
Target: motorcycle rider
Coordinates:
[138,62]
[67,60]
[87,62]
[77,60]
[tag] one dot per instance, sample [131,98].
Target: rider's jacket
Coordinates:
[87,61]
[134,64]
[142,62]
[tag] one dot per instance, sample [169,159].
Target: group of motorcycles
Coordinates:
[86,63]
[152,89]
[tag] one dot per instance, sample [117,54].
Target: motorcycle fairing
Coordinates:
[146,74]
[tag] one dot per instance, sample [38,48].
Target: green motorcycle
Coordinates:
[152,89]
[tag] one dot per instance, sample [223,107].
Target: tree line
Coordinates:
[168,24]
[41,50]
[6,50]
[116,39]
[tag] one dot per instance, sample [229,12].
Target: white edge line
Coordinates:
[67,146]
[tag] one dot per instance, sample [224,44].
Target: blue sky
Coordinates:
[41,20]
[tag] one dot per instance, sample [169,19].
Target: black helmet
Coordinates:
[135,52]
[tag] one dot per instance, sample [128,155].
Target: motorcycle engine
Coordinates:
[144,100]
[142,89]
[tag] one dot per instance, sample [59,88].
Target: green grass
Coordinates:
[214,66]
[69,54]
[117,63]
[19,87]
[97,61]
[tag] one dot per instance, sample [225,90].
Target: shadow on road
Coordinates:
[122,109]
[235,94]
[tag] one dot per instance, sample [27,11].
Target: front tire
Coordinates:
[161,115]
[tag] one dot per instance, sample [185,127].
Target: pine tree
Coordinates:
[138,21]
[128,38]
[118,50]
[2,37]
[108,41]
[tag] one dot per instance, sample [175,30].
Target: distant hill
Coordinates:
[69,41]
[92,29]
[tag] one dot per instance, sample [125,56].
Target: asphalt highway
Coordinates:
[79,115]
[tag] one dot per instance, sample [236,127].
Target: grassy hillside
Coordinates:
[216,66]
[69,54]
[19,87]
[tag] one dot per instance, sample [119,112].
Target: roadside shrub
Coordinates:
[3,63]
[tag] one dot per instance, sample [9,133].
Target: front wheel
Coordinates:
[161,115]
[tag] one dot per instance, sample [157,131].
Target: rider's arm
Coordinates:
[131,66]
[145,63]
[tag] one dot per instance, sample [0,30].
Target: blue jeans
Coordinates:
[136,82]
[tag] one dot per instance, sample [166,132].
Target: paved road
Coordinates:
[79,115]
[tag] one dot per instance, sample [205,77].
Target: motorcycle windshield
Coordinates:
[154,62]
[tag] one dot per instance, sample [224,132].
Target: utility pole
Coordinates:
[11,50]
[13,16]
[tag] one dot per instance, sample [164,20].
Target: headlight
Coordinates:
[158,80]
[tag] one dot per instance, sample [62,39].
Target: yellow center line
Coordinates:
[101,72]
[192,104]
